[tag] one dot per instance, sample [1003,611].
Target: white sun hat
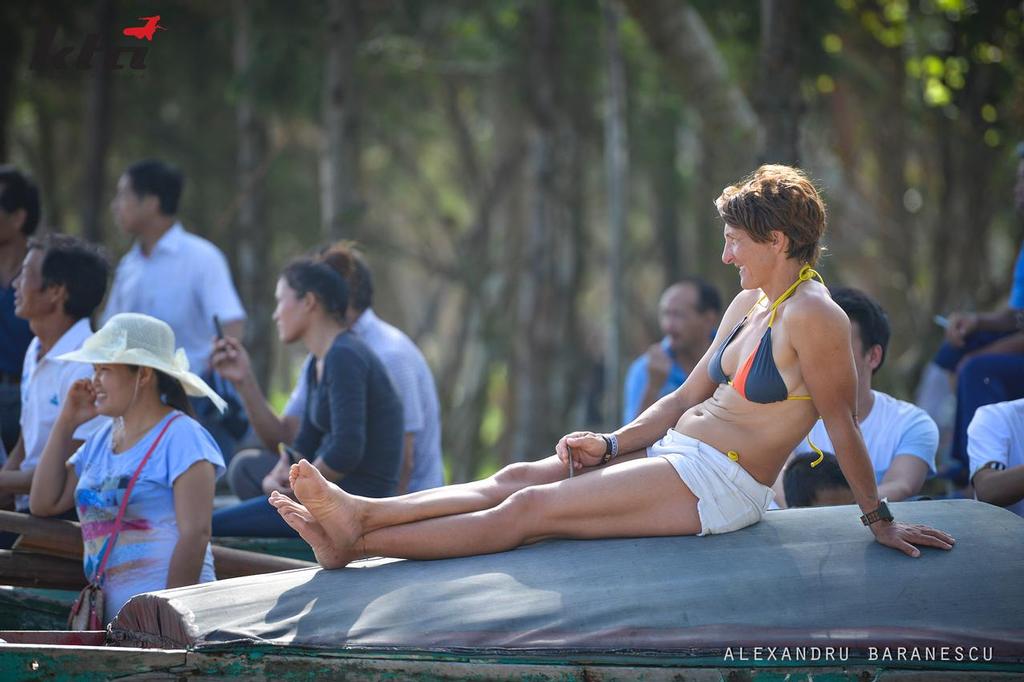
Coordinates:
[134,339]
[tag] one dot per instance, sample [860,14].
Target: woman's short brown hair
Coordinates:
[779,198]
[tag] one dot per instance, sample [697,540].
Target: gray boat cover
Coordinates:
[801,577]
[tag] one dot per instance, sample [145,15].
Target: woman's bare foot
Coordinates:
[310,530]
[336,511]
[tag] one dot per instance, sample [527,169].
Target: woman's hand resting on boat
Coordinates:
[903,536]
[587,448]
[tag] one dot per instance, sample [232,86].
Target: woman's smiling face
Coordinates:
[751,258]
[115,387]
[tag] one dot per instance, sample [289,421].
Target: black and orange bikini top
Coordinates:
[758,379]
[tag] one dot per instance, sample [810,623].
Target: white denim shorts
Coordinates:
[728,498]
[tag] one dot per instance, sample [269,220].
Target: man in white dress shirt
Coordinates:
[175,276]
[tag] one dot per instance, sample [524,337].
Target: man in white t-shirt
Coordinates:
[178,277]
[62,282]
[995,449]
[901,438]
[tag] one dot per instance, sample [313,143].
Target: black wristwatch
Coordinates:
[880,514]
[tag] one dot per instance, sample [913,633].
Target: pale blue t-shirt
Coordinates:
[141,557]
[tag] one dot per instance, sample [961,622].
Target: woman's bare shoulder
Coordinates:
[743,302]
[814,306]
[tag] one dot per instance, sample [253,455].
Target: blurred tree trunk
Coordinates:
[729,127]
[482,339]
[708,233]
[98,127]
[546,346]
[666,193]
[252,237]
[47,165]
[907,310]
[10,55]
[341,208]
[778,91]
[679,36]
[617,174]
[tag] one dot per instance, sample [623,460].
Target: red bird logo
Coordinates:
[145,31]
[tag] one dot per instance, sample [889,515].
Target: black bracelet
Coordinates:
[611,448]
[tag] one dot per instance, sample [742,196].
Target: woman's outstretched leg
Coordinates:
[639,498]
[460,498]
[373,513]
[347,517]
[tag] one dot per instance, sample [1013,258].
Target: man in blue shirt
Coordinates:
[19,218]
[688,313]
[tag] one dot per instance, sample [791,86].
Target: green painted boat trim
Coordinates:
[604,658]
[26,662]
[289,548]
[29,608]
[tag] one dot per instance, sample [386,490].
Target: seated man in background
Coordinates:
[254,472]
[821,486]
[62,282]
[901,438]
[688,314]
[995,444]
[984,352]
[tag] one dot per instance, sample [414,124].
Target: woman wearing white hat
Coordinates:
[144,484]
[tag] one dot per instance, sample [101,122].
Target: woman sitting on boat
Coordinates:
[153,451]
[699,461]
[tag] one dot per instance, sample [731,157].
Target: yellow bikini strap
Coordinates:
[806,273]
[821,455]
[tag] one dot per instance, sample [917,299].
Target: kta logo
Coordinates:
[47,55]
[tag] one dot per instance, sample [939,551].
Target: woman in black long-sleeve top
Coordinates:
[352,426]
[352,423]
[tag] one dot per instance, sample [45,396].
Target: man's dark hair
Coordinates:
[871,320]
[80,267]
[802,482]
[306,276]
[157,178]
[707,294]
[349,262]
[17,192]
